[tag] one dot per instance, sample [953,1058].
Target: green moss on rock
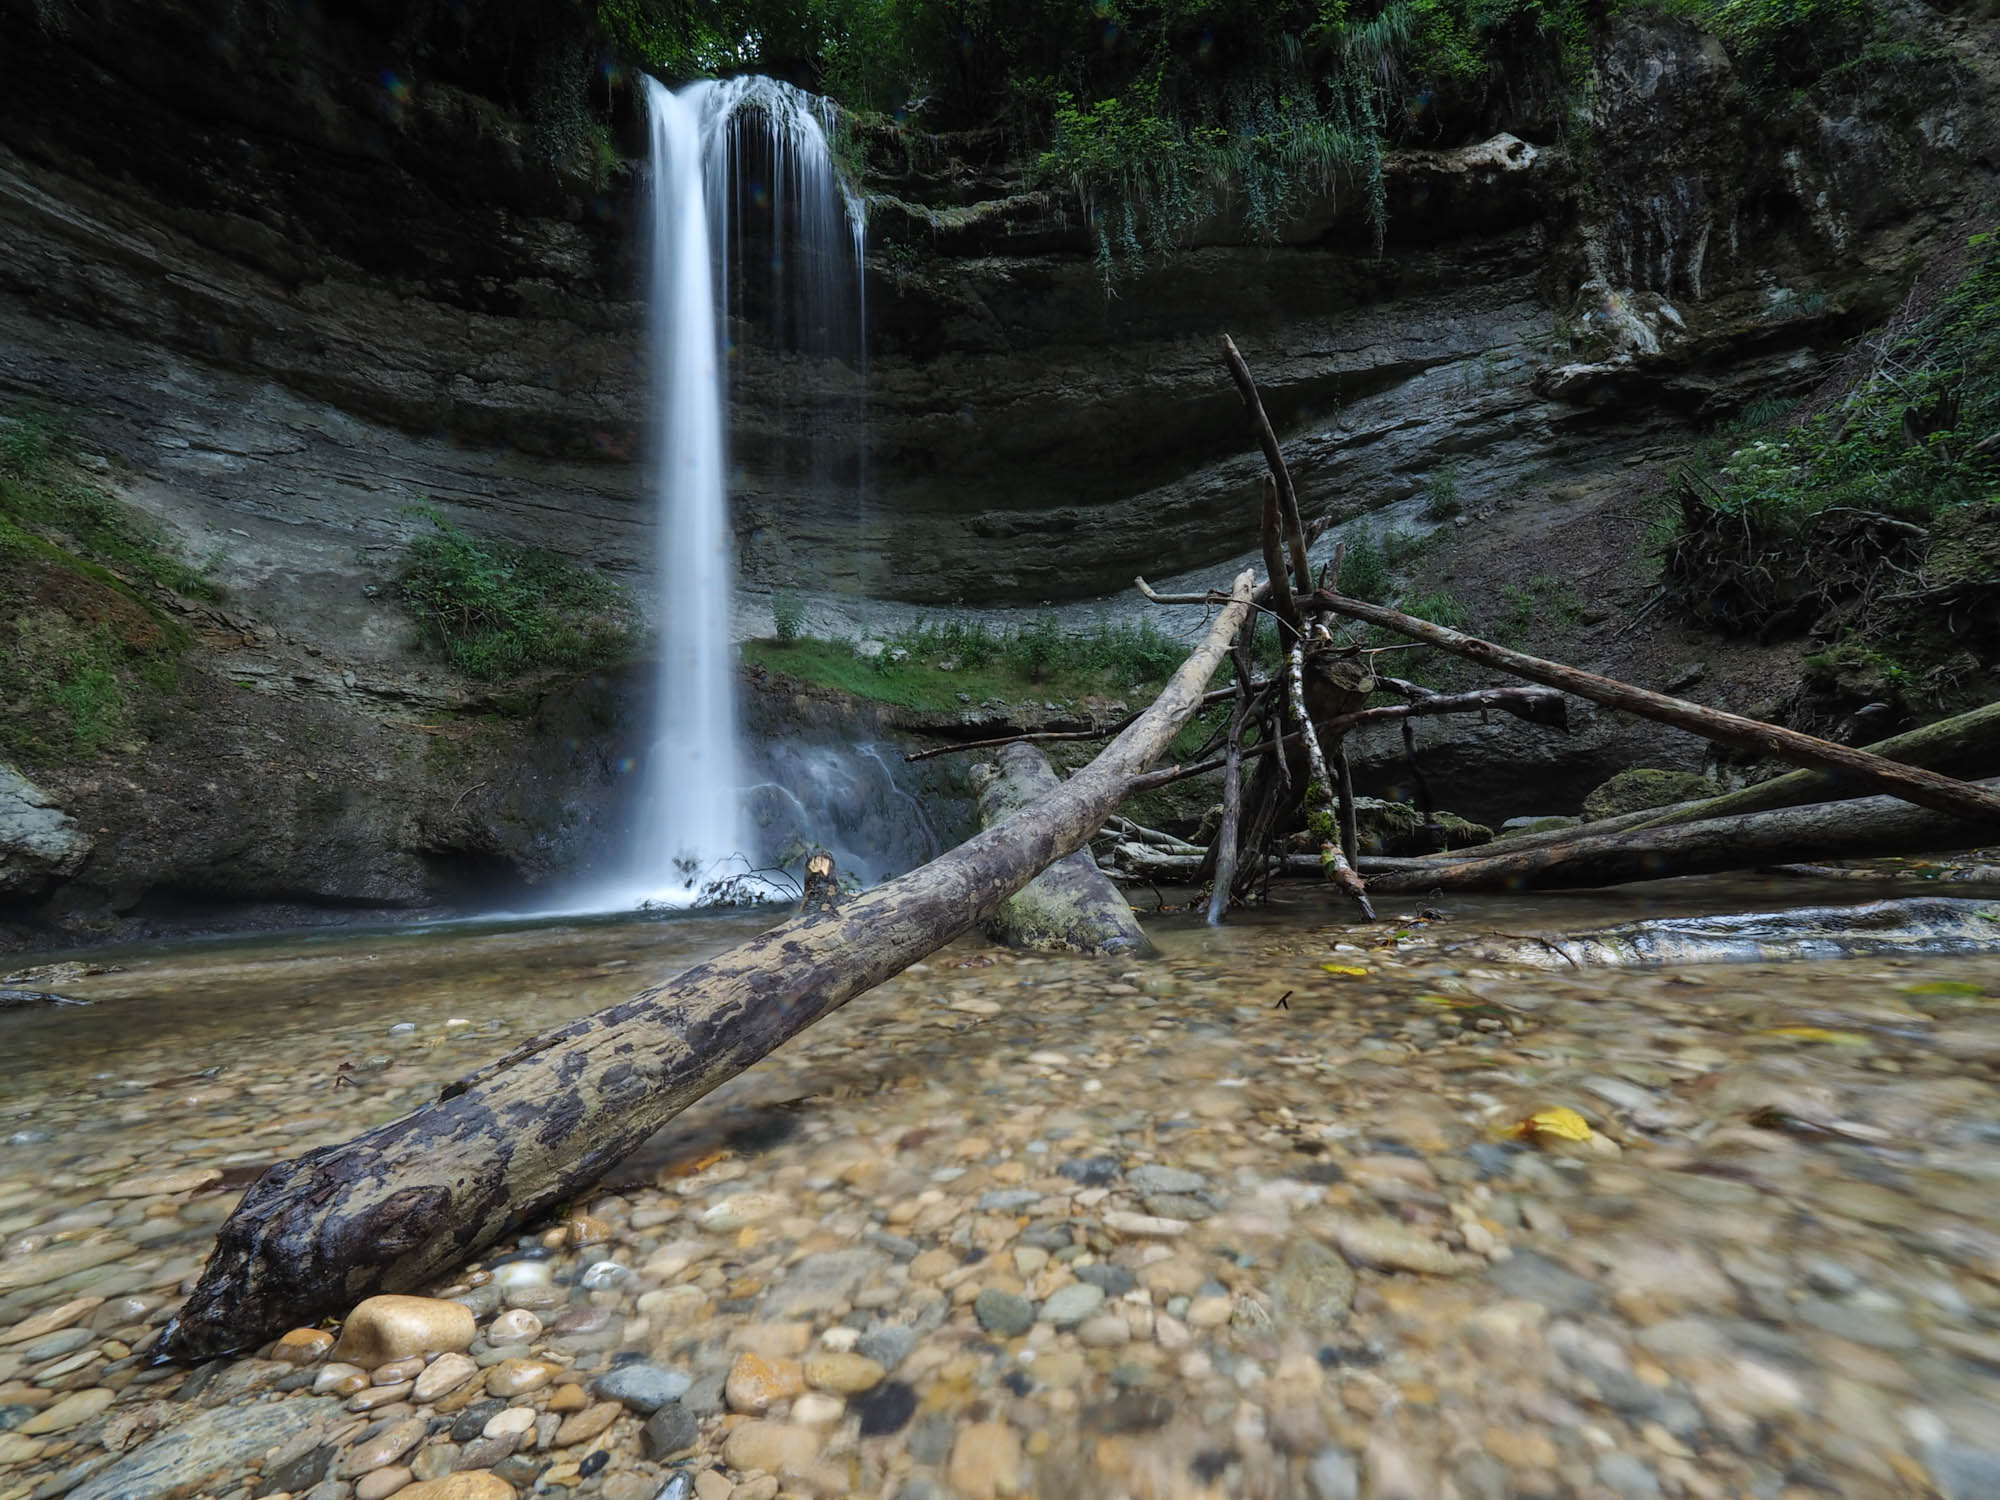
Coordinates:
[1635,790]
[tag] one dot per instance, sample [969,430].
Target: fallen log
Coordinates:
[1071,907]
[1969,741]
[1910,783]
[401,1204]
[1854,829]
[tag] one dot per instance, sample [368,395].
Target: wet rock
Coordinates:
[756,1384]
[54,1319]
[185,1457]
[1006,1314]
[843,1374]
[770,1446]
[642,1387]
[380,1484]
[66,1412]
[1143,1226]
[470,1484]
[443,1375]
[1070,1305]
[583,1426]
[669,1430]
[1114,1281]
[820,1283]
[886,1409]
[303,1346]
[386,1328]
[1536,1278]
[517,1377]
[1091,1171]
[1332,1475]
[515,1326]
[383,1448]
[889,1344]
[1159,1179]
[985,1462]
[1314,1287]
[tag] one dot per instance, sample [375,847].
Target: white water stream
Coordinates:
[727,157]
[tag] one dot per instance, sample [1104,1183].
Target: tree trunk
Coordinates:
[406,1202]
[1925,788]
[1071,907]
[1828,830]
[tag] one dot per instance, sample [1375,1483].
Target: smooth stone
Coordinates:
[1389,1246]
[54,1319]
[985,1461]
[1070,1305]
[843,1374]
[1314,1287]
[398,1371]
[55,1345]
[1143,1226]
[1158,1179]
[1090,1171]
[1104,1331]
[472,1421]
[641,1386]
[567,1398]
[70,1411]
[1008,1200]
[1176,1206]
[384,1329]
[515,1326]
[443,1375]
[886,1409]
[587,1424]
[380,1395]
[40,1267]
[1006,1314]
[517,1274]
[756,1384]
[822,1283]
[467,1484]
[383,1448]
[382,1483]
[740,1210]
[342,1380]
[162,1184]
[669,1430]
[889,1344]
[517,1377]
[303,1346]
[512,1422]
[770,1446]
[1115,1280]
[1535,1278]
[1332,1475]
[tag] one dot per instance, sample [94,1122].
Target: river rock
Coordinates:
[468,1484]
[53,1320]
[70,1411]
[985,1461]
[844,1374]
[587,1424]
[770,1446]
[670,1430]
[1153,1178]
[383,1448]
[642,1387]
[387,1328]
[162,1184]
[442,1376]
[303,1346]
[1314,1287]
[184,1458]
[517,1377]
[1004,1313]
[756,1384]
[1070,1305]
[1389,1246]
[515,1326]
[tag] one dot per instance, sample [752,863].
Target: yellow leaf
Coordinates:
[1343,969]
[1560,1123]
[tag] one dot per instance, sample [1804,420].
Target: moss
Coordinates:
[1641,788]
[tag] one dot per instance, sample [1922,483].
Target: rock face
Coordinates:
[38,840]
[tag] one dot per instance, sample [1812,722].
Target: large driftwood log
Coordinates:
[398,1206]
[1071,907]
[1910,783]
[1856,829]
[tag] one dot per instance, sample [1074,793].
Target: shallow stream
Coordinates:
[1258,1218]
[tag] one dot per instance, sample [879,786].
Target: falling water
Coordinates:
[726,156]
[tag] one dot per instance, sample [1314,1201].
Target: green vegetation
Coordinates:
[788,614]
[498,611]
[1543,604]
[85,651]
[928,666]
[1441,501]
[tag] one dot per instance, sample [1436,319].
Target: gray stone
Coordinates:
[704,1397]
[1333,1476]
[642,1387]
[39,842]
[209,1444]
[1176,1206]
[1070,1305]
[1091,1171]
[888,1344]
[931,1437]
[1966,1473]
[1538,1279]
[1116,1281]
[1158,1179]
[892,1245]
[1879,1328]
[821,1282]
[669,1430]
[1314,1286]
[1006,1314]
[1628,1476]
[1008,1200]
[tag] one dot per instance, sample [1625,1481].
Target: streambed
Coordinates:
[1253,1219]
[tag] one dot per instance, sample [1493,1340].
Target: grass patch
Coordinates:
[499,611]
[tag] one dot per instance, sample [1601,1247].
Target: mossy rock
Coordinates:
[1636,790]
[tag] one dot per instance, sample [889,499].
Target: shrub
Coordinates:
[788,614]
[499,610]
[1364,572]
[1441,495]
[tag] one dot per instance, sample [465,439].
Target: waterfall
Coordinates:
[726,157]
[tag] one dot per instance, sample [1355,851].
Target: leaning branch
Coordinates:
[404,1203]
[1911,784]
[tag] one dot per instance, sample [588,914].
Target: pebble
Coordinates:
[1159,1179]
[387,1328]
[442,1376]
[985,1462]
[512,1422]
[68,1411]
[464,1485]
[1070,1305]
[382,1483]
[517,1377]
[587,1424]
[770,1446]
[303,1346]
[670,1430]
[1389,1246]
[843,1374]
[1007,1314]
[384,1448]
[515,1326]
[1143,1226]
[756,1384]
[51,1321]
[641,1386]
[163,1184]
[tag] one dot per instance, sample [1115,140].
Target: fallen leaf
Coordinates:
[1354,969]
[1944,987]
[1559,1124]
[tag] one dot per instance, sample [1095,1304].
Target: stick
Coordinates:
[404,1203]
[1338,870]
[1972,738]
[1232,779]
[1925,788]
[1283,605]
[1350,835]
[1288,498]
[1829,830]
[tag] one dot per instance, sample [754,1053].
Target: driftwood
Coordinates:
[1232,778]
[1338,870]
[1968,742]
[1070,907]
[1911,784]
[1854,829]
[400,1205]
